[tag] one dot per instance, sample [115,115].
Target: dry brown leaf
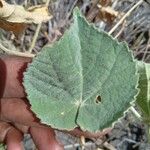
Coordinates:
[18,14]
[105,2]
[16,28]
[108,14]
[1,5]
[15,17]
[6,10]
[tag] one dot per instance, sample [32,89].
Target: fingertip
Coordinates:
[44,138]
[14,139]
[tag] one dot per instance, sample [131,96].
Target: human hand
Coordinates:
[16,117]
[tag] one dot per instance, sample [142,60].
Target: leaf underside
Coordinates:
[86,79]
[143,98]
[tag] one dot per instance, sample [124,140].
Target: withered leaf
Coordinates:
[1,5]
[108,14]
[16,28]
[15,17]
[105,2]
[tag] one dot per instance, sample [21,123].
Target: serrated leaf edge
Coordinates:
[76,14]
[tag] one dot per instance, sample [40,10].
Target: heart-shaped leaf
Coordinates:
[86,79]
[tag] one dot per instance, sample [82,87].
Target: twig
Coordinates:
[92,11]
[148,133]
[16,52]
[147,47]
[125,16]
[72,6]
[37,32]
[88,144]
[135,112]
[82,139]
[138,41]
[109,146]
[47,3]
[121,30]
[115,2]
[35,38]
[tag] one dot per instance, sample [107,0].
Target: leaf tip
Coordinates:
[76,12]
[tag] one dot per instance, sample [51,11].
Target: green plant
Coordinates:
[86,79]
[143,98]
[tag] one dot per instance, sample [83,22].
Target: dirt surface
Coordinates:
[128,133]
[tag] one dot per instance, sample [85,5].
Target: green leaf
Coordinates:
[143,98]
[86,79]
[2,147]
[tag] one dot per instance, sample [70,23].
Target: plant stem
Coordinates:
[147,47]
[135,113]
[35,38]
[16,52]
[37,32]
[82,138]
[148,133]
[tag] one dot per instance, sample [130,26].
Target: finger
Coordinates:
[11,75]
[11,136]
[23,115]
[44,138]
[17,111]
[4,128]
[20,127]
[14,139]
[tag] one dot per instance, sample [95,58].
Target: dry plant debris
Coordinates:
[15,17]
[108,14]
